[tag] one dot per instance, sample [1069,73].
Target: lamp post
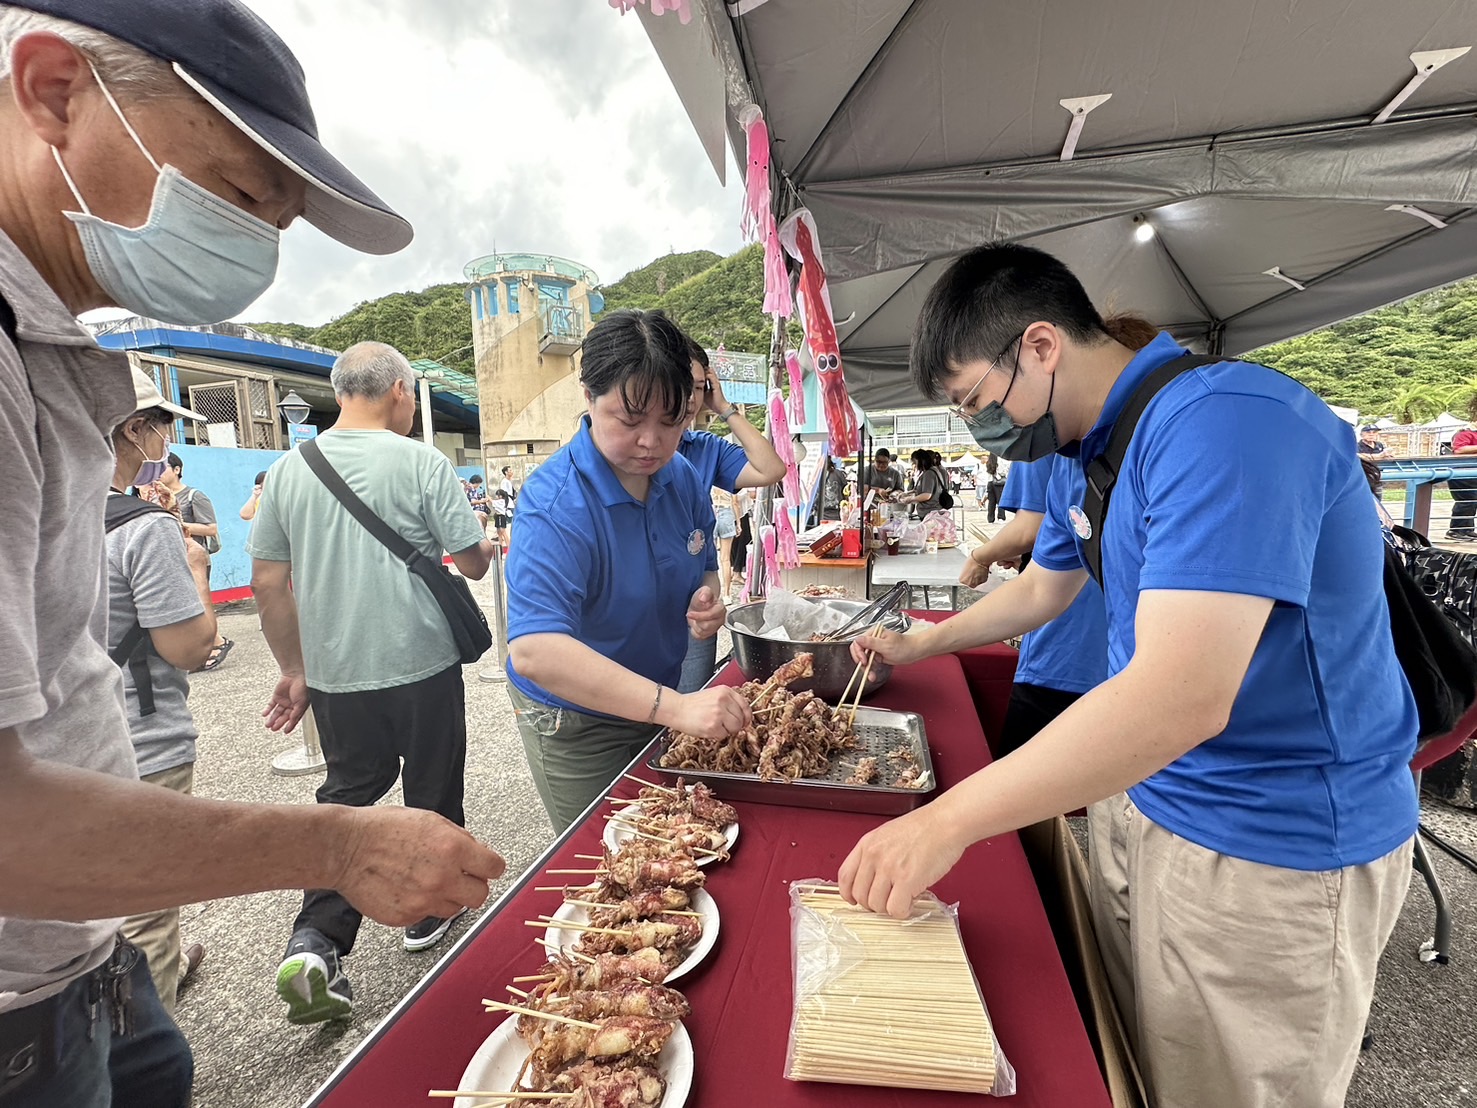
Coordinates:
[294,407]
[308,757]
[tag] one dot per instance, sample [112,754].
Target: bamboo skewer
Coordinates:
[662,839]
[500,1006]
[574,871]
[938,1034]
[522,1094]
[650,784]
[535,977]
[596,904]
[851,719]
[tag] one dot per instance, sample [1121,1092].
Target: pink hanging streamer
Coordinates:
[797,388]
[658,7]
[779,434]
[771,561]
[757,223]
[787,548]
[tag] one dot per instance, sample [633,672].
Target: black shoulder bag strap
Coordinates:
[133,649]
[392,539]
[1102,471]
[464,616]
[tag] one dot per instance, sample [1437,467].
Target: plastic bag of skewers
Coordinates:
[863,979]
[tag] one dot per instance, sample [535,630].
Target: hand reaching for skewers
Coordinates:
[892,864]
[705,613]
[712,713]
[893,647]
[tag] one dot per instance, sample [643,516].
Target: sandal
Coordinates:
[218,654]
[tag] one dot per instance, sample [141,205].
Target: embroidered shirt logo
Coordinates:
[696,541]
[1080,523]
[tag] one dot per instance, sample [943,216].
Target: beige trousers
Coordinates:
[157,933]
[1242,985]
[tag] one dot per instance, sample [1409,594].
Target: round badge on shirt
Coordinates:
[1080,523]
[695,541]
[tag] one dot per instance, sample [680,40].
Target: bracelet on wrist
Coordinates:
[727,416]
[655,705]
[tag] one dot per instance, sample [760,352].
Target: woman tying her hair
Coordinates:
[614,563]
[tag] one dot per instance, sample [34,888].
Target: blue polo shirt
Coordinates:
[595,563]
[1071,652]
[1240,480]
[718,462]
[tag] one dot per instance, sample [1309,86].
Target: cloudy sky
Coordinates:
[510,125]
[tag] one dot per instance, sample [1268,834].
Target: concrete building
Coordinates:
[530,312]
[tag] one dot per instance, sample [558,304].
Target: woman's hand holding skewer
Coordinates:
[712,713]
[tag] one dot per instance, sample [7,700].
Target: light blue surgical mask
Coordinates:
[150,469]
[196,259]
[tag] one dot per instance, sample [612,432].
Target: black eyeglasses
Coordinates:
[957,410]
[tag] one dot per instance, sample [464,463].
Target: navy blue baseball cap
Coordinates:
[226,53]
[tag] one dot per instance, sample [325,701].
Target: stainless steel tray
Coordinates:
[878,730]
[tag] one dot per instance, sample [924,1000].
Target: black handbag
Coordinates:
[463,614]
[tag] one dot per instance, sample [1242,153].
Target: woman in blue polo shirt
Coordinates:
[1062,660]
[614,563]
[1247,759]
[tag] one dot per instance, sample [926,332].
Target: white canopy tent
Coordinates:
[1442,422]
[1296,163]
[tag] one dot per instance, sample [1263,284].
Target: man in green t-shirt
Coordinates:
[361,638]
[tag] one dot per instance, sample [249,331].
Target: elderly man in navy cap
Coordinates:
[151,151]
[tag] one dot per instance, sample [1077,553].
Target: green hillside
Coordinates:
[1408,361]
[645,287]
[434,323]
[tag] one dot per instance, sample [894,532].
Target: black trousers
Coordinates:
[365,738]
[993,488]
[1464,511]
[1030,709]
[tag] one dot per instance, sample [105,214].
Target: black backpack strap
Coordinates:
[1102,471]
[372,523]
[119,509]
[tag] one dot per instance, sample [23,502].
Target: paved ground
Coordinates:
[248,1056]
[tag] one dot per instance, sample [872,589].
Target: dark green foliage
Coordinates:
[644,287]
[434,323]
[1408,361]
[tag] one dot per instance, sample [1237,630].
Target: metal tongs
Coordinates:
[888,604]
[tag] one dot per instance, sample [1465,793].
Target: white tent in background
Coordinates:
[1443,421]
[1385,423]
[1348,415]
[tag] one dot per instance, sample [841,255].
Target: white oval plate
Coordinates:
[502,1054]
[702,903]
[616,835]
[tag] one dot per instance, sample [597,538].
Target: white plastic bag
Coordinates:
[792,618]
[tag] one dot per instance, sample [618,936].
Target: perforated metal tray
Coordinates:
[879,731]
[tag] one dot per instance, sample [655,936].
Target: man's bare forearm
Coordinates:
[1016,538]
[278,611]
[104,858]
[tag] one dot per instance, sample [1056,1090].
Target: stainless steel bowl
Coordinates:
[759,657]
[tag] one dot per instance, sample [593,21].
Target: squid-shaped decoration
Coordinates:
[787,547]
[797,388]
[757,224]
[799,236]
[658,7]
[768,541]
[779,434]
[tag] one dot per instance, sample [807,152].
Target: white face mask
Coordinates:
[196,259]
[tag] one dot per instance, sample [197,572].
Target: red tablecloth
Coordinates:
[741,996]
